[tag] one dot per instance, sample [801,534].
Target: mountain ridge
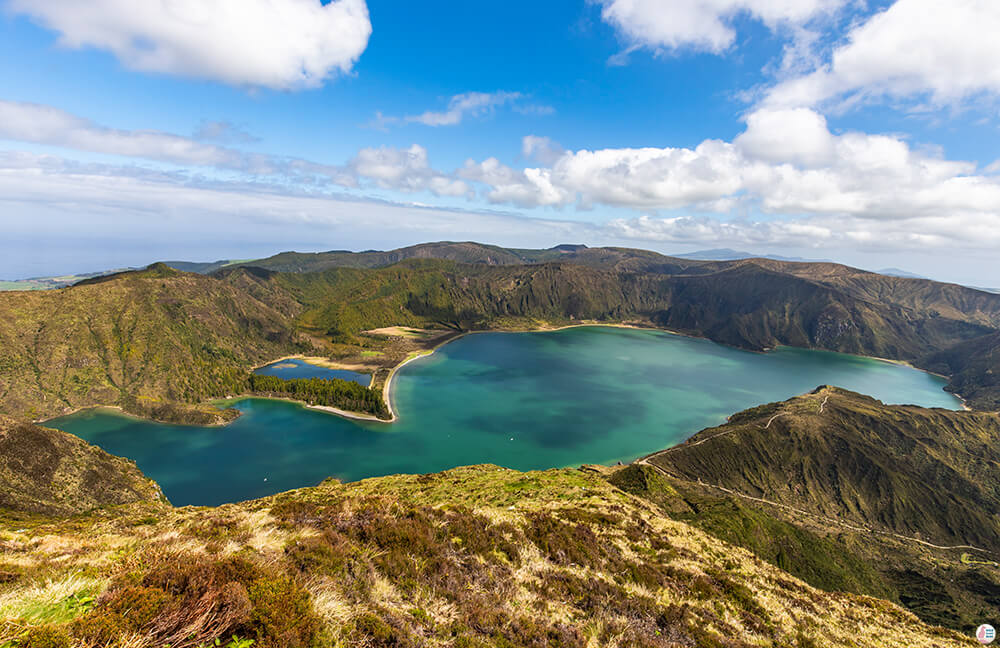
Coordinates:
[242,316]
[849,494]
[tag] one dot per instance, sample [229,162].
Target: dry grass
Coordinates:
[552,558]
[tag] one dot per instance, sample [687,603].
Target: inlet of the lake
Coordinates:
[520,400]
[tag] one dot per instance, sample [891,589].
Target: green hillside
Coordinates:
[153,342]
[849,494]
[159,341]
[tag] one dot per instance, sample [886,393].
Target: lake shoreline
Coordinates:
[387,387]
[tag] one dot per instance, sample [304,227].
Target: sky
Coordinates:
[140,130]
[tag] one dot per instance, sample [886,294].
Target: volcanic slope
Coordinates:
[850,494]
[154,342]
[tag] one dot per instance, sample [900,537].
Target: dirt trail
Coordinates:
[863,529]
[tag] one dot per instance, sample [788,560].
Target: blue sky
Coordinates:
[860,132]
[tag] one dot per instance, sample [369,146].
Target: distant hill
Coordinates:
[728,254]
[896,272]
[203,267]
[62,281]
[846,493]
[181,338]
[50,283]
[467,252]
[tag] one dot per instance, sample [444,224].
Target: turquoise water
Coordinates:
[294,368]
[521,400]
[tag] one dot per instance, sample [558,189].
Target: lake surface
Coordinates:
[520,400]
[295,368]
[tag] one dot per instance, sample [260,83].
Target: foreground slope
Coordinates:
[849,494]
[478,556]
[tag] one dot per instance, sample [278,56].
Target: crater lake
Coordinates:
[520,400]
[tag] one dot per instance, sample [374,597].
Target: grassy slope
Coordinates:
[477,556]
[841,483]
[143,341]
[50,472]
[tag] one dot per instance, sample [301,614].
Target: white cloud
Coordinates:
[405,170]
[280,44]
[702,25]
[798,136]
[460,106]
[542,149]
[527,188]
[40,124]
[787,164]
[946,51]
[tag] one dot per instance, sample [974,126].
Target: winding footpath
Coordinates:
[645,461]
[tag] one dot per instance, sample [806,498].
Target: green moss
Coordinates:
[47,636]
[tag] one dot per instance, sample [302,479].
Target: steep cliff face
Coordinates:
[974,367]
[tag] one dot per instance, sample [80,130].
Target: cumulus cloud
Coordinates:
[405,170]
[798,136]
[786,163]
[945,51]
[460,106]
[702,25]
[280,44]
[527,188]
